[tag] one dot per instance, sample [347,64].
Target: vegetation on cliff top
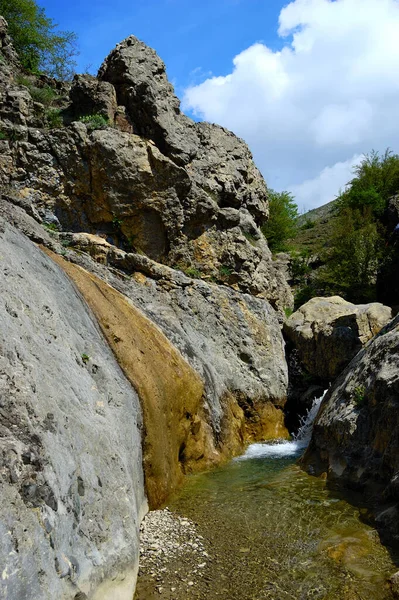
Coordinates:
[357,255]
[41,46]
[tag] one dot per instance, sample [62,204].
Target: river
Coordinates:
[275,532]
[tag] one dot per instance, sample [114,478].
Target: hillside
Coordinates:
[315,228]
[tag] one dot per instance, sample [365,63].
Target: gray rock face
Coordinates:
[232,340]
[141,83]
[186,194]
[328,332]
[356,435]
[70,450]
[90,96]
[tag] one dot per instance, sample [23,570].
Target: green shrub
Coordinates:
[225,271]
[359,395]
[95,121]
[308,224]
[85,358]
[3,136]
[117,222]
[50,226]
[45,95]
[192,272]
[288,311]
[54,118]
[376,180]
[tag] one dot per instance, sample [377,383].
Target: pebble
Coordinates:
[165,538]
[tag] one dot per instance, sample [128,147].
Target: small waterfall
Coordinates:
[304,432]
[282,448]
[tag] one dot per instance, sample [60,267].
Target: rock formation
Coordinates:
[156,221]
[328,332]
[356,435]
[71,461]
[186,194]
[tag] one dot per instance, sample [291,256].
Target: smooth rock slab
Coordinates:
[70,449]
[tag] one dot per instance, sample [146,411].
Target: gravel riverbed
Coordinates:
[174,558]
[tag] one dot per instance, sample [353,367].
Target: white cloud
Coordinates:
[329,94]
[314,192]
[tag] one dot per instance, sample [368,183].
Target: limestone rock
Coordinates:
[90,96]
[232,340]
[141,83]
[328,332]
[356,434]
[186,194]
[70,452]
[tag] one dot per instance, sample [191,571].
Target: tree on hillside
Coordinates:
[281,226]
[376,180]
[41,47]
[357,247]
[360,247]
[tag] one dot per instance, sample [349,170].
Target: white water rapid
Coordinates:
[282,448]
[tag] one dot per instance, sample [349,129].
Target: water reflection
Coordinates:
[280,533]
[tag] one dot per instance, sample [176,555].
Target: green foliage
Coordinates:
[376,180]
[95,121]
[281,225]
[225,271]
[288,311]
[357,248]
[299,265]
[3,136]
[192,272]
[45,95]
[50,226]
[188,270]
[54,118]
[308,224]
[41,47]
[85,358]
[359,395]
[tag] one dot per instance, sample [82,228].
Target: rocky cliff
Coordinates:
[185,194]
[154,219]
[355,439]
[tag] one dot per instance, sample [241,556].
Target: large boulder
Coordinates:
[356,435]
[72,485]
[328,332]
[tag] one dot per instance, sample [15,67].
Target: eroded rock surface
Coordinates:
[356,435]
[186,194]
[163,216]
[72,484]
[328,332]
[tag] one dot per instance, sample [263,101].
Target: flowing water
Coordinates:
[275,532]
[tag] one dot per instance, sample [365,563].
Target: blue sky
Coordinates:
[193,38]
[311,85]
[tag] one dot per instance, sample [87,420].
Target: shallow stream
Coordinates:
[274,532]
